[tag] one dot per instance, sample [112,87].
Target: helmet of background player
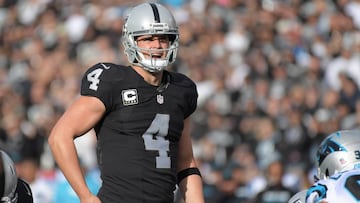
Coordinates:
[338,152]
[8,179]
[150,19]
[299,197]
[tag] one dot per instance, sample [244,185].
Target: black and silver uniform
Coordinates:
[139,133]
[23,192]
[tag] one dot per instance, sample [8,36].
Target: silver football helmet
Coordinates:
[299,197]
[8,179]
[150,19]
[338,152]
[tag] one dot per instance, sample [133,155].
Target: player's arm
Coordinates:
[79,118]
[189,179]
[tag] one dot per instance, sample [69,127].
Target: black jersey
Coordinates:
[23,192]
[139,133]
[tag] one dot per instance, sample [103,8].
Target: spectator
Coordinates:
[275,190]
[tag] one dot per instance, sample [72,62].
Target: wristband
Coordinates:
[187,172]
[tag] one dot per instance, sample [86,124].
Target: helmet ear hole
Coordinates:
[172,38]
[327,174]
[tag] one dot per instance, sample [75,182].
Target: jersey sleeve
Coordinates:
[191,94]
[97,81]
[192,100]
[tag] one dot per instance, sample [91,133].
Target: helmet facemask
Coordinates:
[151,63]
[13,199]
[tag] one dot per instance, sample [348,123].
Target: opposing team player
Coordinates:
[338,162]
[12,188]
[140,114]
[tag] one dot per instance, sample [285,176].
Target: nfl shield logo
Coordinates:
[160,99]
[342,161]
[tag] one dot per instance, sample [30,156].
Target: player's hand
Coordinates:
[91,199]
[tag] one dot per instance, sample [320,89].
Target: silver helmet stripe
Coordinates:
[156,12]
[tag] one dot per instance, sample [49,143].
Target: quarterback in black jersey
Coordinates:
[140,114]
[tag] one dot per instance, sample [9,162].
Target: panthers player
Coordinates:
[12,188]
[140,114]
[338,161]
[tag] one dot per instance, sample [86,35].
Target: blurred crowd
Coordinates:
[274,78]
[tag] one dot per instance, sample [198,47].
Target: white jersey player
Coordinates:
[338,163]
[341,187]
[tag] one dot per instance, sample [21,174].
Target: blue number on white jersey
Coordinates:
[342,187]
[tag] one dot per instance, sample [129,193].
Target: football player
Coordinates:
[338,163]
[140,114]
[12,188]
